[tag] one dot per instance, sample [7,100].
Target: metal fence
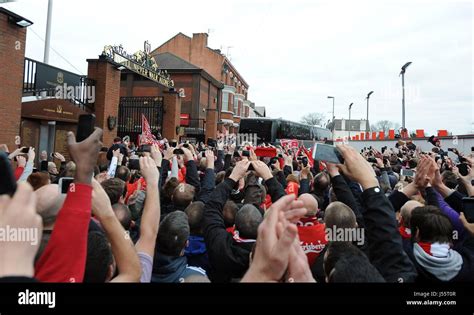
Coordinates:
[130,116]
[42,80]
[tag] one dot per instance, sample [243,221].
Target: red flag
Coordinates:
[147,137]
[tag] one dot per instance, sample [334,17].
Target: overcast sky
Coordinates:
[295,53]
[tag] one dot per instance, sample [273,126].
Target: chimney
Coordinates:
[200,39]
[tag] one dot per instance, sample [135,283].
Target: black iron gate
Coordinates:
[130,116]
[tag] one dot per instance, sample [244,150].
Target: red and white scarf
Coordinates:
[439,250]
[239,239]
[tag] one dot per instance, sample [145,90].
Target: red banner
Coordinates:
[290,144]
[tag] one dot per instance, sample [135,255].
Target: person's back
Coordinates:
[172,269]
[195,250]
[432,252]
[170,264]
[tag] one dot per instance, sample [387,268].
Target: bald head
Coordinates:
[49,202]
[247,220]
[340,215]
[310,203]
[405,211]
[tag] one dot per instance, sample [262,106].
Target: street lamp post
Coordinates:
[48,32]
[350,107]
[402,73]
[368,96]
[333,98]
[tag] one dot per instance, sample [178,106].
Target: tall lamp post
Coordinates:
[333,98]
[48,32]
[402,73]
[368,96]
[350,107]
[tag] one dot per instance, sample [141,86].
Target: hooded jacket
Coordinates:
[169,269]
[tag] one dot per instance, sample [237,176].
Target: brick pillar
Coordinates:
[12,58]
[211,124]
[107,94]
[171,114]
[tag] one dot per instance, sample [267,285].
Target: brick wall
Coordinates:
[12,54]
[107,91]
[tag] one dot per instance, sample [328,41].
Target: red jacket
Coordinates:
[64,258]
[312,237]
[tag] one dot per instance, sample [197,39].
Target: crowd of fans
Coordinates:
[178,212]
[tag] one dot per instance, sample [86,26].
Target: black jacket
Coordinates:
[228,258]
[385,242]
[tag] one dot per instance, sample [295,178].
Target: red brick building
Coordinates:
[233,102]
[31,107]
[200,93]
[12,54]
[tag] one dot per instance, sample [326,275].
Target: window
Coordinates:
[236,105]
[225,101]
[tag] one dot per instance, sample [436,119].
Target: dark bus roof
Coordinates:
[281,119]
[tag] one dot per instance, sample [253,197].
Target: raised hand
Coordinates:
[262,170]
[239,170]
[85,154]
[20,161]
[59,156]
[17,258]
[209,154]
[275,241]
[357,168]
[156,154]
[149,170]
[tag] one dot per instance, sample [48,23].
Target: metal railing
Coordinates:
[36,83]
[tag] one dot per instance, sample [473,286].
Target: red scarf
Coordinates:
[405,232]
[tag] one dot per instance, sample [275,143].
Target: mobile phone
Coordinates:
[211,142]
[85,127]
[7,181]
[468,208]
[178,151]
[173,144]
[463,169]
[327,153]
[304,160]
[25,150]
[64,183]
[371,160]
[246,153]
[451,149]
[186,145]
[145,148]
[407,172]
